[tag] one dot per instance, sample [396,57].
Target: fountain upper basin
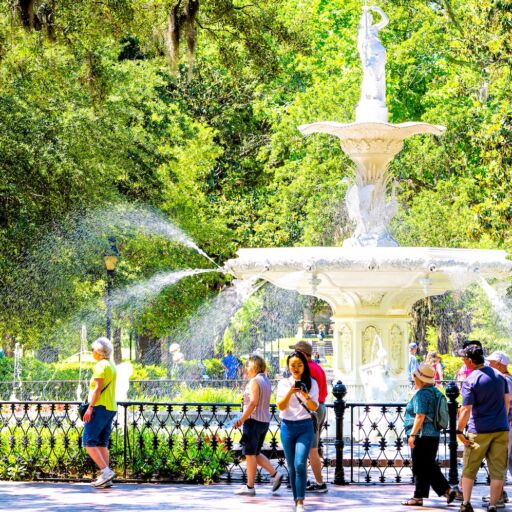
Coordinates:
[373,280]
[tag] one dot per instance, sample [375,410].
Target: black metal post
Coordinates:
[452,392]
[110,283]
[131,343]
[339,390]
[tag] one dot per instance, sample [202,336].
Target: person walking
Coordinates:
[499,360]
[318,374]
[256,421]
[484,411]
[434,361]
[296,396]
[102,409]
[230,363]
[423,439]
[413,363]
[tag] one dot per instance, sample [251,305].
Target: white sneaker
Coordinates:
[276,481]
[105,476]
[299,508]
[245,491]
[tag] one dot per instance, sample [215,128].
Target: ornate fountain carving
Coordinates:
[371,142]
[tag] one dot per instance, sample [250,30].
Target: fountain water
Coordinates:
[371,283]
[378,384]
[16,380]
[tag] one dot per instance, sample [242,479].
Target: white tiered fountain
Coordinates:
[370,283]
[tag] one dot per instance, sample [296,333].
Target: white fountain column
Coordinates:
[357,323]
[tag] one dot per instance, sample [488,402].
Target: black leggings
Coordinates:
[425,469]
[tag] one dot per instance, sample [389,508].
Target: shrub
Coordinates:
[44,448]
[214,368]
[208,395]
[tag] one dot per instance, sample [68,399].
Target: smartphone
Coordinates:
[299,385]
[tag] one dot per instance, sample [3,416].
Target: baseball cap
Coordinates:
[303,346]
[413,345]
[500,357]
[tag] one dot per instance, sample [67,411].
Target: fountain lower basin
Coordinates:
[371,290]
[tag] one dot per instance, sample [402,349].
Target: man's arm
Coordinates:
[464,415]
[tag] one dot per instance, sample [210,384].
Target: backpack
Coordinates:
[441,418]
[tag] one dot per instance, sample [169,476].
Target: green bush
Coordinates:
[214,368]
[191,458]
[35,450]
[148,372]
[451,366]
[208,395]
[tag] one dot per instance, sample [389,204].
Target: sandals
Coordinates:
[450,495]
[413,502]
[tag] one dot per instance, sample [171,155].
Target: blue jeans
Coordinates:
[297,438]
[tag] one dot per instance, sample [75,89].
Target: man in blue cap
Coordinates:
[413,363]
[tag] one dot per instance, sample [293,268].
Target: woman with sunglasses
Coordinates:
[296,396]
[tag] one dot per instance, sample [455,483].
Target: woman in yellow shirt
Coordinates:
[101,411]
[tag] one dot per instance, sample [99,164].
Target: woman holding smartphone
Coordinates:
[296,396]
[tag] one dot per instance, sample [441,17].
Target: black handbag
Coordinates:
[82,408]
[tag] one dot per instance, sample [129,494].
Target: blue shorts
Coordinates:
[97,431]
[254,433]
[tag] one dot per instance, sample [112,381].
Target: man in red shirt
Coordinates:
[319,375]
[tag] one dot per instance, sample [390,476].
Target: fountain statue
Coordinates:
[373,58]
[371,283]
[379,385]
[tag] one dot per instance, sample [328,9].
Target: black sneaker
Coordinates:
[318,488]
[466,507]
[458,494]
[492,508]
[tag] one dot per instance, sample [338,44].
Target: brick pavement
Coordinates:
[73,497]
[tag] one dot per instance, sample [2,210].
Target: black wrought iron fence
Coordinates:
[163,442]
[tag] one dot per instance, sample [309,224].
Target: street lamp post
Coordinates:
[110,260]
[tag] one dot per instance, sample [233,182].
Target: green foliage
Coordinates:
[148,372]
[92,116]
[27,453]
[451,366]
[214,368]
[208,395]
[191,457]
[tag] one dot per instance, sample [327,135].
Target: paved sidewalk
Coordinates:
[64,497]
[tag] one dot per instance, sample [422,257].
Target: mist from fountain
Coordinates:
[501,305]
[16,381]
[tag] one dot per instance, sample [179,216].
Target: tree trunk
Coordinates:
[174,22]
[191,9]
[118,354]
[148,349]
[26,8]
[420,313]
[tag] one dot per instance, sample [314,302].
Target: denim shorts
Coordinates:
[254,433]
[97,431]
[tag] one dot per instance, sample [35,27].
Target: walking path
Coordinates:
[72,497]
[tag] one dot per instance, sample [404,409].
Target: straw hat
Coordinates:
[425,373]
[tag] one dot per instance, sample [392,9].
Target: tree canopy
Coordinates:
[191,107]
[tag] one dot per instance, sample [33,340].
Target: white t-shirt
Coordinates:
[295,411]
